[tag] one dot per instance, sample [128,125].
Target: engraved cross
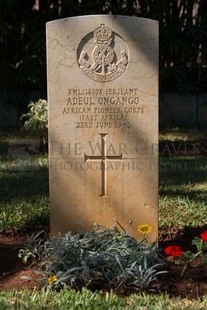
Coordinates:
[103,158]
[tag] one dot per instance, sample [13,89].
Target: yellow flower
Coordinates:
[52,279]
[144,229]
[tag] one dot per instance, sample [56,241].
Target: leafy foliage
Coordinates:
[31,248]
[37,118]
[102,258]
[188,257]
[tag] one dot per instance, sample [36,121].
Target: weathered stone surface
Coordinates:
[103,122]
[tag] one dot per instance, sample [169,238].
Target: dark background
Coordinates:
[182,48]
[183,38]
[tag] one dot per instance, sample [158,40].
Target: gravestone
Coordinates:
[103,123]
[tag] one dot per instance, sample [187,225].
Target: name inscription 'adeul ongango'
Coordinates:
[103,108]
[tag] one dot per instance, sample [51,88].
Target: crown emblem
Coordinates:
[104,65]
[102,33]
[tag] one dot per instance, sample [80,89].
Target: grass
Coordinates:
[182,135]
[24,201]
[182,204]
[182,192]
[87,300]
[182,182]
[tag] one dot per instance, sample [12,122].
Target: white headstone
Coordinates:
[103,122]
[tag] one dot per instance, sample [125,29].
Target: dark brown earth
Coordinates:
[15,275]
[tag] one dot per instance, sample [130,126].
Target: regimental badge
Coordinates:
[102,55]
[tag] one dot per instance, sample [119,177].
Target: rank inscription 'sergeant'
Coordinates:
[103,64]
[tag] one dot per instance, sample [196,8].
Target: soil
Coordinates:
[15,275]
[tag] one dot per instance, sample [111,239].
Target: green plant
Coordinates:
[101,258]
[27,299]
[188,257]
[31,248]
[37,121]
[37,118]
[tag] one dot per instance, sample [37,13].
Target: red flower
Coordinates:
[173,250]
[203,235]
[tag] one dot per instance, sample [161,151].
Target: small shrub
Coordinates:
[37,117]
[100,259]
[37,121]
[32,248]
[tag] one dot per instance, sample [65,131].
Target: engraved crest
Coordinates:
[99,57]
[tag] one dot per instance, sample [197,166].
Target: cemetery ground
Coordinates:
[24,211]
